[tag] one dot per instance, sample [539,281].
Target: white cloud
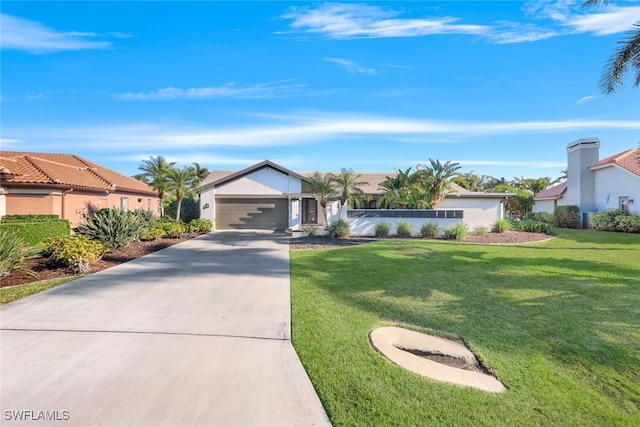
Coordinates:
[229,90]
[352,67]
[302,129]
[613,20]
[586,99]
[22,34]
[348,20]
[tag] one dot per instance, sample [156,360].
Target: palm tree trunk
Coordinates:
[178,210]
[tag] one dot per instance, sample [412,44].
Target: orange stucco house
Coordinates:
[68,186]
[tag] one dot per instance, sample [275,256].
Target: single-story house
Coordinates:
[595,184]
[269,196]
[68,186]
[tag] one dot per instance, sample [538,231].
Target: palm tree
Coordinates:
[438,176]
[201,173]
[155,172]
[180,182]
[323,188]
[395,189]
[347,187]
[472,181]
[627,54]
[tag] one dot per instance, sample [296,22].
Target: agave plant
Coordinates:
[113,228]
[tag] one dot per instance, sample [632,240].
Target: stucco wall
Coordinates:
[544,206]
[477,212]
[367,226]
[613,183]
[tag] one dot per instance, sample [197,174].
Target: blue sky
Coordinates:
[501,87]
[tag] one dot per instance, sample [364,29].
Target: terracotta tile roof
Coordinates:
[627,159]
[554,192]
[64,170]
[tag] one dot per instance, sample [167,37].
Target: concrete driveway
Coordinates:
[195,334]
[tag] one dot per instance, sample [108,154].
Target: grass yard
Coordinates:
[559,322]
[13,293]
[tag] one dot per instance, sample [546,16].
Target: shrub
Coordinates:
[34,232]
[152,233]
[13,253]
[113,228]
[382,229]
[311,230]
[75,252]
[530,226]
[481,230]
[430,230]
[338,229]
[545,217]
[170,226]
[500,226]
[29,218]
[616,220]
[456,232]
[189,210]
[567,216]
[403,229]
[200,225]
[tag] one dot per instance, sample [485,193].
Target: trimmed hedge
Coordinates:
[33,233]
[567,216]
[29,218]
[616,220]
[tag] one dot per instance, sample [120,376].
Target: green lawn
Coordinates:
[559,321]
[13,293]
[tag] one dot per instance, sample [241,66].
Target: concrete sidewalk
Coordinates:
[196,334]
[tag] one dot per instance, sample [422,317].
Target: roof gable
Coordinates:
[51,169]
[552,193]
[627,160]
[223,177]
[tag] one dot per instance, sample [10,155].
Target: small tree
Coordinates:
[154,173]
[347,187]
[179,181]
[322,187]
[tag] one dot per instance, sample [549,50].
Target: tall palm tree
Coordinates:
[347,186]
[627,54]
[323,188]
[472,181]
[179,181]
[395,189]
[154,172]
[439,176]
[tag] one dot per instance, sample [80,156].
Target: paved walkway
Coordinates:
[196,334]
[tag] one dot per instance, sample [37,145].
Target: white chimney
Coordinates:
[581,154]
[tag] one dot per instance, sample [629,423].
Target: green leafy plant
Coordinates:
[430,230]
[338,229]
[500,226]
[403,229]
[29,218]
[456,232]
[481,230]
[567,216]
[33,232]
[200,225]
[382,229]
[13,253]
[542,217]
[75,252]
[311,230]
[616,220]
[152,233]
[170,226]
[530,226]
[112,227]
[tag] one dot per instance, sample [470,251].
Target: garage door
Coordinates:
[262,214]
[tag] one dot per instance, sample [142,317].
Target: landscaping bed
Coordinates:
[46,269]
[509,237]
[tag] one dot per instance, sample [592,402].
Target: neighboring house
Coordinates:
[269,196]
[66,185]
[593,184]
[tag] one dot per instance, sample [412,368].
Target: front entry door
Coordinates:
[309,211]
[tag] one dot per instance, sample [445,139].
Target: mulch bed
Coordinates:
[46,269]
[507,238]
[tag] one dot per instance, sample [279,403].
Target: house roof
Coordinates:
[220,177]
[552,193]
[627,159]
[64,170]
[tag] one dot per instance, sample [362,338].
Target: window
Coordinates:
[149,205]
[124,203]
[624,203]
[309,211]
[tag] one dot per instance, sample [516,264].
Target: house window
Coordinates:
[624,203]
[124,203]
[149,205]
